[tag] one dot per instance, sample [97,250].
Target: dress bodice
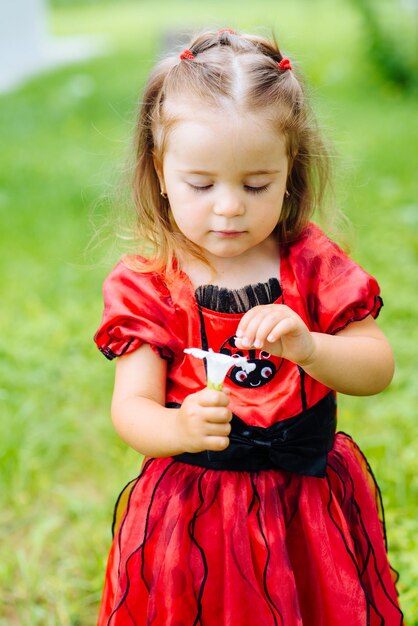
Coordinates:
[317,280]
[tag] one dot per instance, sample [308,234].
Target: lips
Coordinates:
[228,233]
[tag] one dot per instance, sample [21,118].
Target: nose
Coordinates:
[229,203]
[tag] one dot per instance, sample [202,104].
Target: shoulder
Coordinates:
[130,286]
[129,278]
[138,308]
[335,290]
[133,270]
[314,243]
[314,256]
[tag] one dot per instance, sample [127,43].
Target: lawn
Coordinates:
[65,141]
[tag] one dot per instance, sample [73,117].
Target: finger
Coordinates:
[216,443]
[217,415]
[284,327]
[259,327]
[245,333]
[212,397]
[218,430]
[266,329]
[245,320]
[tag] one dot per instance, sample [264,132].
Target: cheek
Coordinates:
[188,218]
[266,223]
[269,214]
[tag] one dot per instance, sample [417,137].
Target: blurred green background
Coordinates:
[65,137]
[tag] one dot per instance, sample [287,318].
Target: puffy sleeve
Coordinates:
[138,309]
[335,289]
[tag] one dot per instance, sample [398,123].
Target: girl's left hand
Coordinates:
[277,329]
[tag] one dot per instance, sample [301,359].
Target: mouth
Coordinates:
[228,233]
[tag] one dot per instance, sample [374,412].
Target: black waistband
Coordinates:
[299,444]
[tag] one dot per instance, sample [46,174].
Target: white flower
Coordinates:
[219,364]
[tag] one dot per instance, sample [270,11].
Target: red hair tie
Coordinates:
[226,30]
[186,54]
[285,64]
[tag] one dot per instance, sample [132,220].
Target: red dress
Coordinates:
[197,546]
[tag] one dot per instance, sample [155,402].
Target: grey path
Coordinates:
[26,47]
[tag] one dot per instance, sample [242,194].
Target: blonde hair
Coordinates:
[242,69]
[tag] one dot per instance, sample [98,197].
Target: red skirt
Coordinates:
[200,547]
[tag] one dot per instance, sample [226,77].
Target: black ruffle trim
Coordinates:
[358,314]
[240,300]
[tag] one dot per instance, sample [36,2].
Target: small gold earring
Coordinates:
[163,194]
[286,193]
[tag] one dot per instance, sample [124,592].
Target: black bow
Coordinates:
[299,444]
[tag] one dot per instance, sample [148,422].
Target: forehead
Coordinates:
[210,136]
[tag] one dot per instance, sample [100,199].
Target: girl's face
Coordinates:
[225,175]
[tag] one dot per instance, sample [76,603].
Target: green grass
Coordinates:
[65,137]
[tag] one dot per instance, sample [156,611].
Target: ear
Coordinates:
[158,166]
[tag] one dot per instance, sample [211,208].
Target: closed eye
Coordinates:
[248,188]
[256,189]
[200,188]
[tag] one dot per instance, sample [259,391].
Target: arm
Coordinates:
[357,361]
[141,419]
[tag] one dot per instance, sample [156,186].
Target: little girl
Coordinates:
[249,509]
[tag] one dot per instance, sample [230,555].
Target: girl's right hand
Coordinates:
[203,421]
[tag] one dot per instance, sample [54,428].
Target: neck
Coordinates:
[257,265]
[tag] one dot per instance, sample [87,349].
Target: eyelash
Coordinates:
[199,189]
[254,190]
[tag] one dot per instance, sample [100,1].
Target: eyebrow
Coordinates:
[251,173]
